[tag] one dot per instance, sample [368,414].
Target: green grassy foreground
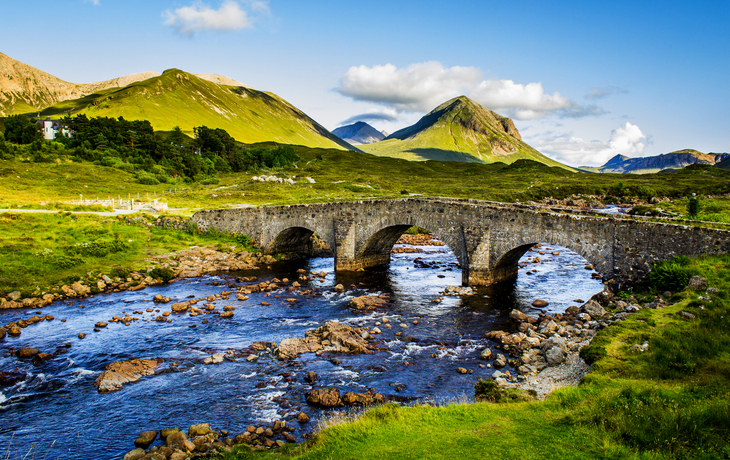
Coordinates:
[670,402]
[41,251]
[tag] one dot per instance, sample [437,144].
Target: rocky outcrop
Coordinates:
[120,373]
[333,337]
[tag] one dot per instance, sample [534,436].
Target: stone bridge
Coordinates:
[487,238]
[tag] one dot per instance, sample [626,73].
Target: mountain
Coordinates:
[177,98]
[26,89]
[679,159]
[173,98]
[459,130]
[359,133]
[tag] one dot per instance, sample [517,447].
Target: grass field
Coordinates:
[670,402]
[344,175]
[40,251]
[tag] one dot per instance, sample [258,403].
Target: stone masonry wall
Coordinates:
[487,238]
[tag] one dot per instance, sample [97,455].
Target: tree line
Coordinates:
[134,146]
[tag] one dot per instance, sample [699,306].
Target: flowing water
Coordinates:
[56,412]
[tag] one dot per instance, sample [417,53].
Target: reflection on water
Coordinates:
[57,401]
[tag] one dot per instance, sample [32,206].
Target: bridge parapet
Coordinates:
[487,238]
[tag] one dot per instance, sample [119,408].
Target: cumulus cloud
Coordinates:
[605,91]
[566,147]
[421,87]
[199,17]
[417,88]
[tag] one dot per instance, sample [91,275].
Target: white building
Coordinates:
[51,127]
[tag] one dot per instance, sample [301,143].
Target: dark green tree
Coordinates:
[693,206]
[21,130]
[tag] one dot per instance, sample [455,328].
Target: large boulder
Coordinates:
[324,397]
[122,372]
[333,336]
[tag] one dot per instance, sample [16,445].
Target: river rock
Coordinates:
[3,333]
[302,417]
[26,353]
[135,454]
[555,356]
[367,302]
[178,456]
[145,439]
[122,372]
[362,399]
[539,303]
[41,358]
[697,283]
[201,429]
[178,440]
[517,315]
[179,307]
[594,309]
[333,336]
[311,377]
[165,432]
[324,397]
[486,353]
[339,288]
[501,361]
[10,378]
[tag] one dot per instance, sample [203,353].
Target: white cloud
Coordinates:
[385,115]
[417,88]
[199,17]
[605,91]
[421,87]
[626,140]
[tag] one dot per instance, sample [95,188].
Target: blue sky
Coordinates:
[583,80]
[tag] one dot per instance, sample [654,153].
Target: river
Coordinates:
[56,412]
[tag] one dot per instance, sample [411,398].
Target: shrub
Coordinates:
[145,178]
[66,261]
[693,206]
[163,274]
[98,248]
[671,275]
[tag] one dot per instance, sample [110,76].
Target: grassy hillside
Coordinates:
[344,175]
[670,402]
[177,98]
[459,130]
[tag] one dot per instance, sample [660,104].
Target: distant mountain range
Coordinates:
[679,159]
[359,133]
[459,130]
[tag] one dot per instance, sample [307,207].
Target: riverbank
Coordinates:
[657,388]
[48,257]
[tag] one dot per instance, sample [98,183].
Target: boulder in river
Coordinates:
[145,439]
[122,372]
[178,440]
[26,353]
[324,397]
[539,303]
[3,333]
[594,309]
[332,336]
[368,302]
[362,399]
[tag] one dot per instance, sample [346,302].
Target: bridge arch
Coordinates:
[295,238]
[506,255]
